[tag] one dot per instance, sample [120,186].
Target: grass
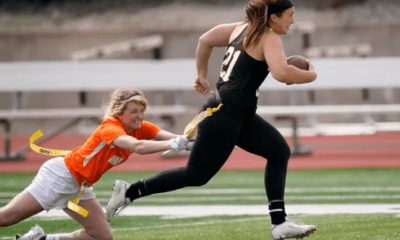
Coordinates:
[334,227]
[245,188]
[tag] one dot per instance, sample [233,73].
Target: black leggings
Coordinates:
[216,138]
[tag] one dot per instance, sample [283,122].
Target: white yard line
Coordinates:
[262,190]
[220,199]
[258,198]
[256,190]
[210,210]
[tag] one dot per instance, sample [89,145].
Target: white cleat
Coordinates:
[35,233]
[118,201]
[291,229]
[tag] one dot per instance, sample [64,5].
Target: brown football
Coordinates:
[298,61]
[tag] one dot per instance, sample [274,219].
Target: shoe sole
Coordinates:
[306,234]
[107,208]
[107,211]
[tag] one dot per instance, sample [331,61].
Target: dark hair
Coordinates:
[257,17]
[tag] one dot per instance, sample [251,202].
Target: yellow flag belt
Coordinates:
[42,150]
[73,203]
[189,129]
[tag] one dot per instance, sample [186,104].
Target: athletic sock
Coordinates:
[277,212]
[53,237]
[137,190]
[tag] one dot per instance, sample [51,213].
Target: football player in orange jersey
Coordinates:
[122,132]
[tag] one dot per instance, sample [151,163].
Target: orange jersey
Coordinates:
[91,160]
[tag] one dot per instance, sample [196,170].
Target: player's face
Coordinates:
[285,21]
[133,116]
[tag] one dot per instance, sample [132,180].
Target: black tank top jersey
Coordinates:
[241,75]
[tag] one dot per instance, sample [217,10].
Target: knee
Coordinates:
[283,152]
[197,182]
[5,220]
[280,155]
[101,235]
[197,178]
[284,156]
[109,236]
[286,153]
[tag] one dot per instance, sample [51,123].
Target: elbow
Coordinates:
[139,149]
[204,41]
[283,74]
[141,152]
[315,75]
[280,77]
[292,77]
[311,78]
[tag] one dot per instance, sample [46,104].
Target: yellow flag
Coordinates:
[42,150]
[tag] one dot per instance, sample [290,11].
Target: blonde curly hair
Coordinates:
[120,99]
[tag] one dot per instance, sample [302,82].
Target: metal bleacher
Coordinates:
[20,78]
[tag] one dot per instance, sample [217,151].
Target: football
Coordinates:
[298,61]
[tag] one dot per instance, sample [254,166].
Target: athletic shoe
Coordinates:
[35,233]
[118,201]
[291,229]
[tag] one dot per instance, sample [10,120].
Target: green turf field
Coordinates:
[240,188]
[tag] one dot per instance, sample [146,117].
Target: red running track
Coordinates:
[381,150]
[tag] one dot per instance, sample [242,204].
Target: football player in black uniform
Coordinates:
[254,49]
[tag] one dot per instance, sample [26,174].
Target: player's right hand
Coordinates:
[201,85]
[190,144]
[310,65]
[179,143]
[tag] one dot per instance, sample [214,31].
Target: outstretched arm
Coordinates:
[164,135]
[142,147]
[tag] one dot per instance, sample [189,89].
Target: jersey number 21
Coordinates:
[230,61]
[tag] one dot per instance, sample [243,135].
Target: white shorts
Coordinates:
[54,185]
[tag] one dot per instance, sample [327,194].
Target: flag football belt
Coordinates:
[189,129]
[73,203]
[42,150]
[191,126]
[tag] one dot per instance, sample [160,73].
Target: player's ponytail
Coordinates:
[256,18]
[258,13]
